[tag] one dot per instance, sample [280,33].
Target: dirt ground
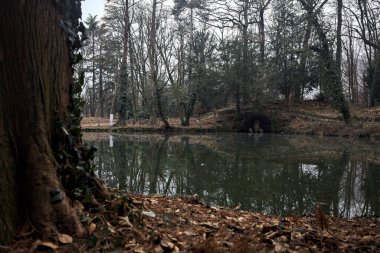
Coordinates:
[135,223]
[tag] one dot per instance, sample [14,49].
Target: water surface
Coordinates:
[273,174]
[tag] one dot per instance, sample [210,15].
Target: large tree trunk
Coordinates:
[35,86]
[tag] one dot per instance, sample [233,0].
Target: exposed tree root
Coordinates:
[49,210]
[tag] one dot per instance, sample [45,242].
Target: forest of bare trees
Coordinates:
[150,59]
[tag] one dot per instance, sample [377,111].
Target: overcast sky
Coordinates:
[93,7]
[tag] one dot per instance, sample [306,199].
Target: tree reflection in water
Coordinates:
[272,174]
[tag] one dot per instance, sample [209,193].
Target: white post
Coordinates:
[111,119]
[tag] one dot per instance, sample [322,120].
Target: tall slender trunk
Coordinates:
[338,58]
[375,94]
[188,105]
[92,111]
[153,65]
[335,89]
[245,68]
[302,70]
[123,82]
[101,97]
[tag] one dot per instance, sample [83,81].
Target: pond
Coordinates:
[273,174]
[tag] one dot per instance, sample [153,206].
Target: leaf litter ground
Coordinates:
[138,223]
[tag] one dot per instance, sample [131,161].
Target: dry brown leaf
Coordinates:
[78,206]
[280,247]
[296,236]
[45,244]
[137,202]
[367,239]
[125,221]
[158,249]
[165,243]
[92,228]
[94,202]
[210,224]
[111,228]
[189,233]
[153,201]
[148,214]
[272,234]
[139,250]
[65,239]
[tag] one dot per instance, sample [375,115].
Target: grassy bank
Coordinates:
[307,117]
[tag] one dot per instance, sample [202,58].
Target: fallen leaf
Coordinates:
[149,214]
[78,206]
[166,244]
[271,235]
[158,249]
[189,233]
[280,247]
[65,239]
[139,250]
[94,202]
[111,228]
[37,244]
[125,221]
[296,236]
[210,225]
[137,202]
[92,228]
[154,202]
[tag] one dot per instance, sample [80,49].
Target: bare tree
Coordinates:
[152,54]
[331,69]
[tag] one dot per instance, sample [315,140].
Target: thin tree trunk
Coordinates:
[245,71]
[93,76]
[375,95]
[339,38]
[153,65]
[188,105]
[101,97]
[123,84]
[303,75]
[335,89]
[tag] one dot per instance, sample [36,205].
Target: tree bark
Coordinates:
[339,37]
[123,81]
[245,68]
[375,90]
[93,76]
[298,94]
[101,97]
[332,71]
[153,65]
[36,82]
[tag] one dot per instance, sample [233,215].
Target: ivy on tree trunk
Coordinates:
[39,116]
